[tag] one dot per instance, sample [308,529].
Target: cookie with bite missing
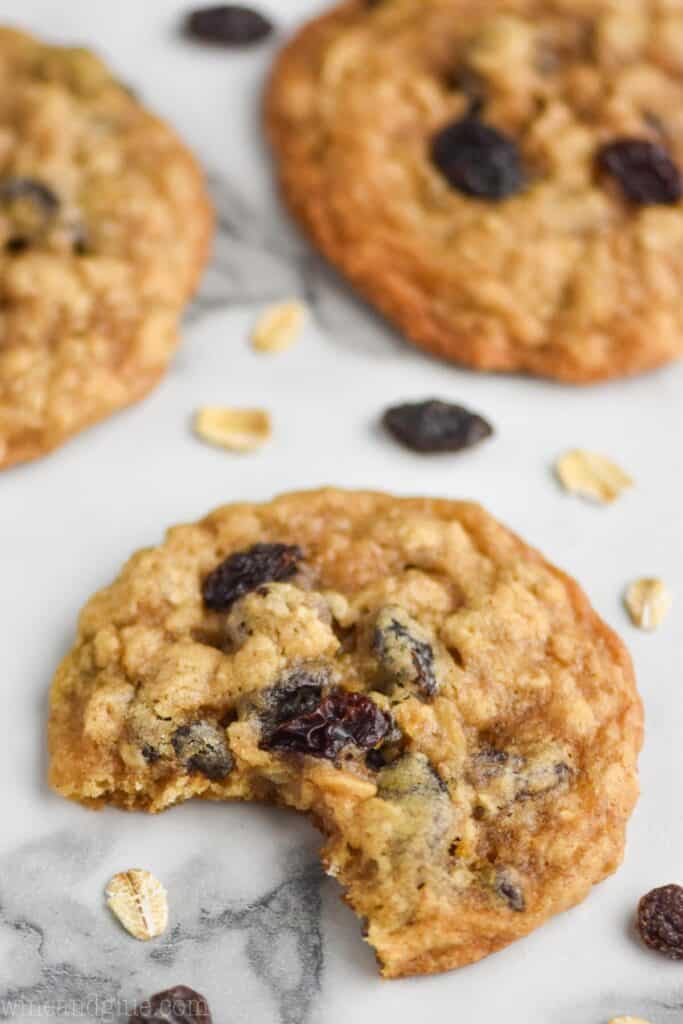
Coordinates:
[501,178]
[443,703]
[105,226]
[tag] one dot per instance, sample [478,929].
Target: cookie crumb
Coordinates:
[279,327]
[138,900]
[592,476]
[648,602]
[239,430]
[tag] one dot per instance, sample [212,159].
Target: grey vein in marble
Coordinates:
[260,257]
[91,970]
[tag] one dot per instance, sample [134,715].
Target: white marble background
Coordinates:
[254,924]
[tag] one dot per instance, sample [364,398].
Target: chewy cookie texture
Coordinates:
[104,230]
[445,704]
[500,177]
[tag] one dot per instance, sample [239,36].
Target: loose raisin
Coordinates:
[407,657]
[436,426]
[229,25]
[339,720]
[477,159]
[178,1005]
[202,748]
[247,570]
[645,171]
[660,920]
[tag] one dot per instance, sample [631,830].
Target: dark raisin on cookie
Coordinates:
[340,719]
[298,702]
[178,1005]
[660,920]
[17,244]
[150,753]
[228,24]
[39,194]
[436,426]
[490,762]
[296,692]
[202,748]
[645,171]
[30,206]
[406,657]
[245,571]
[507,887]
[535,775]
[477,159]
[376,759]
[410,775]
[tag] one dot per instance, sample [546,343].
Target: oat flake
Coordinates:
[592,476]
[138,900]
[279,327]
[239,430]
[648,602]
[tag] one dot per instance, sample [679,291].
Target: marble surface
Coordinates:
[254,923]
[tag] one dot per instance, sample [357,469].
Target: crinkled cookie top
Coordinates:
[502,178]
[104,230]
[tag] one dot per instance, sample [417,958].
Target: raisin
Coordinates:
[40,195]
[410,775]
[228,24]
[660,920]
[17,244]
[202,748]
[436,426]
[299,694]
[338,720]
[376,759]
[526,777]
[645,171]
[30,207]
[507,888]
[150,753]
[247,570]
[477,159]
[407,658]
[178,1005]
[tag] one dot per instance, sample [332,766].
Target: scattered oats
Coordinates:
[279,327]
[628,1020]
[139,901]
[648,602]
[592,476]
[240,430]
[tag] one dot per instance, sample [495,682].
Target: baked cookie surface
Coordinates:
[104,230]
[446,706]
[451,158]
